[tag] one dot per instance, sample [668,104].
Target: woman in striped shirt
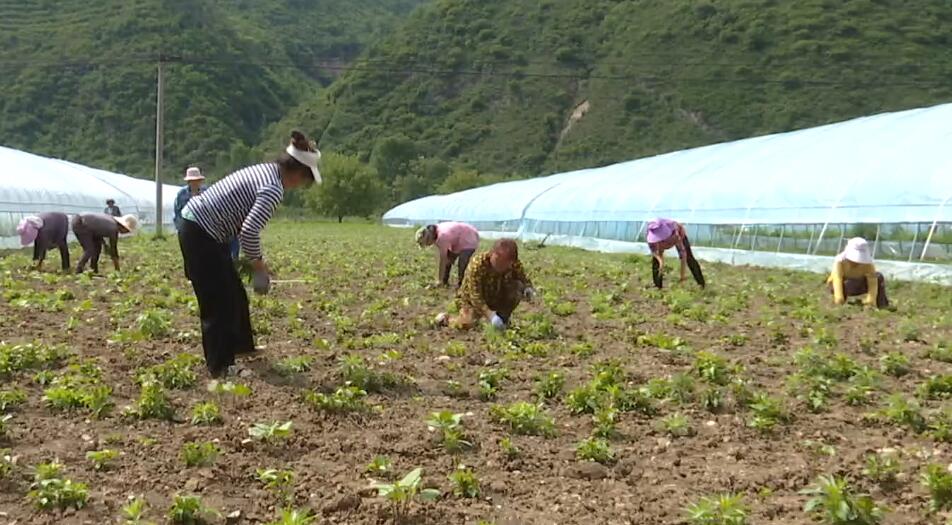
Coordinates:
[240,205]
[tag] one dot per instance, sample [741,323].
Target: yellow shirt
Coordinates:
[844,269]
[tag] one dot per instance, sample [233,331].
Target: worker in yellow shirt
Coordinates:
[854,275]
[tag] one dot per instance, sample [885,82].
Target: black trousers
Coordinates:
[464,257]
[855,287]
[41,246]
[692,263]
[222,300]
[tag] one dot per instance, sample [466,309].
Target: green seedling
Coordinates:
[201,454]
[279,482]
[402,493]
[190,510]
[206,413]
[489,381]
[11,399]
[154,324]
[894,364]
[271,432]
[595,449]
[102,459]
[380,466]
[549,385]
[713,368]
[677,425]
[937,387]
[153,402]
[725,509]
[938,481]
[604,421]
[904,412]
[882,467]
[346,399]
[768,412]
[832,499]
[449,425]
[134,512]
[176,373]
[509,449]
[524,418]
[295,517]
[290,366]
[236,390]
[50,490]
[465,483]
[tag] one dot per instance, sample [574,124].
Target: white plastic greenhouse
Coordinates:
[34,184]
[785,200]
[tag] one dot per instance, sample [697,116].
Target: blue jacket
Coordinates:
[181,200]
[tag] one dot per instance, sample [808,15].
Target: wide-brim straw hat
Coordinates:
[193,174]
[129,222]
[858,251]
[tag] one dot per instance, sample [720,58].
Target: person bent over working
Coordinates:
[454,241]
[854,274]
[46,230]
[495,284]
[664,234]
[93,230]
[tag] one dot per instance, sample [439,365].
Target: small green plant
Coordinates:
[509,449]
[50,490]
[768,412]
[681,388]
[604,421]
[176,373]
[206,413]
[549,385]
[293,365]
[133,513]
[937,387]
[355,371]
[346,399]
[894,364]
[941,353]
[154,324]
[677,425]
[190,510]
[489,381]
[11,399]
[271,432]
[524,418]
[236,390]
[882,467]
[712,399]
[102,459]
[279,482]
[832,499]
[465,483]
[595,449]
[456,349]
[295,517]
[712,368]
[4,427]
[904,412]
[938,481]
[449,426]
[200,454]
[402,493]
[7,463]
[586,399]
[725,509]
[380,465]
[153,402]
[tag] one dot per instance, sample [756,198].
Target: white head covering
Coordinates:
[858,251]
[308,158]
[193,173]
[130,222]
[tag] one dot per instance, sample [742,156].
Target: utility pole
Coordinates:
[159,110]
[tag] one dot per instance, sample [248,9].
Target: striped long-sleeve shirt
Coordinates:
[239,205]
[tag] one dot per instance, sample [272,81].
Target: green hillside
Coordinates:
[77,77]
[520,87]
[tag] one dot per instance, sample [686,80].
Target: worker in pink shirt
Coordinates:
[454,241]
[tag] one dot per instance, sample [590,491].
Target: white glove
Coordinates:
[261,282]
[529,293]
[497,322]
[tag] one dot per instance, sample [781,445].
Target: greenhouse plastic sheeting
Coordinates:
[888,169]
[33,184]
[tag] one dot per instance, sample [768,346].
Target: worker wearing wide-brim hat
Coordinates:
[664,234]
[854,274]
[194,185]
[454,241]
[93,229]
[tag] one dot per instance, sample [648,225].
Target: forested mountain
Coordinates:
[523,87]
[78,77]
